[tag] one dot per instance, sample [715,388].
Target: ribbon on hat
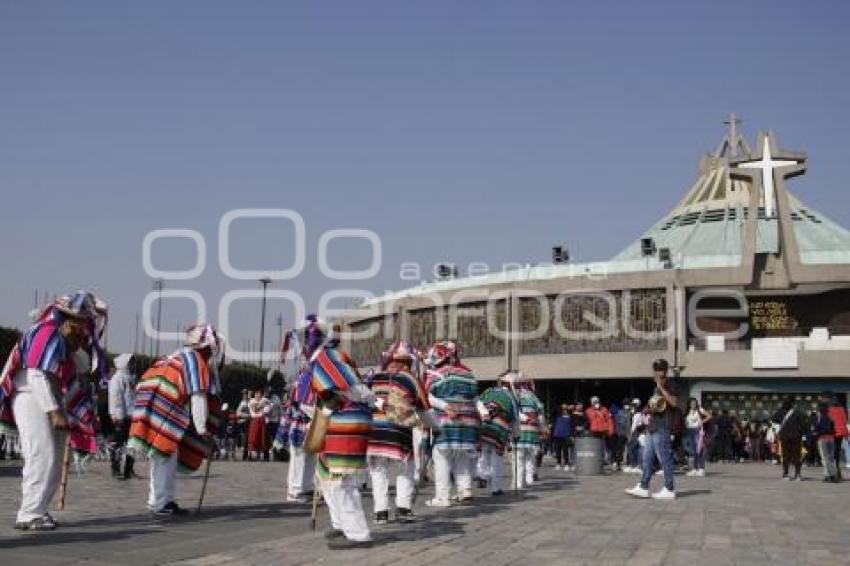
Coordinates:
[442,353]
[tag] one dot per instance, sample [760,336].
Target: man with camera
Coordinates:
[662,407]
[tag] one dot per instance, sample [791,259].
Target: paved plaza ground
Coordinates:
[738,514]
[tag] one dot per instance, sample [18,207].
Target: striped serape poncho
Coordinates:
[162,414]
[454,389]
[530,430]
[43,348]
[390,439]
[336,383]
[498,426]
[294,422]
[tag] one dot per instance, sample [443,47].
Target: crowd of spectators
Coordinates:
[790,437]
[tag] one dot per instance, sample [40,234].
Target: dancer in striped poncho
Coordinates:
[400,397]
[42,398]
[176,392]
[452,392]
[499,424]
[291,434]
[531,425]
[298,413]
[342,459]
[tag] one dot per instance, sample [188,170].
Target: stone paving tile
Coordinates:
[739,514]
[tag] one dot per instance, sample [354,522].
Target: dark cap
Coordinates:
[660,365]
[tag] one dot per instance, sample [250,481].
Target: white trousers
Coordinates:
[162,471]
[417,453]
[379,470]
[302,467]
[448,462]
[346,507]
[491,467]
[525,466]
[42,448]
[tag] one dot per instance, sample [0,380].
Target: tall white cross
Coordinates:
[767,164]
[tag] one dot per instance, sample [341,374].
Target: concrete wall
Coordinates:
[738,364]
[613,365]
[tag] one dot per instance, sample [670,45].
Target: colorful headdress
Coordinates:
[442,353]
[203,335]
[84,305]
[101,317]
[313,335]
[81,304]
[516,380]
[400,351]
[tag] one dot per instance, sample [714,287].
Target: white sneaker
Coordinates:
[693,473]
[665,494]
[558,468]
[438,503]
[639,492]
[700,473]
[659,473]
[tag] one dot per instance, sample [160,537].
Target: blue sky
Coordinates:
[473,131]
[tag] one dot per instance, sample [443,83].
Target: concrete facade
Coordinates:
[779,273]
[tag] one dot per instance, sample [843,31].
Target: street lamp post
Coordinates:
[136,341]
[158,285]
[279,322]
[265,282]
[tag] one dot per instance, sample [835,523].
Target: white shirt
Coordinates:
[637,420]
[694,419]
[35,382]
[259,408]
[122,395]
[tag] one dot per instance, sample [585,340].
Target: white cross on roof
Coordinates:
[767,164]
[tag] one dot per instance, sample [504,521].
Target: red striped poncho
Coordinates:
[347,439]
[389,439]
[162,416]
[43,347]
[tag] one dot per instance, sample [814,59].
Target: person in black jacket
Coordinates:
[792,427]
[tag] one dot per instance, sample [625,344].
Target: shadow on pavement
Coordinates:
[692,492]
[65,537]
[211,513]
[423,530]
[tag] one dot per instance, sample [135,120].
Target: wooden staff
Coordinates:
[66,465]
[206,479]
[315,511]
